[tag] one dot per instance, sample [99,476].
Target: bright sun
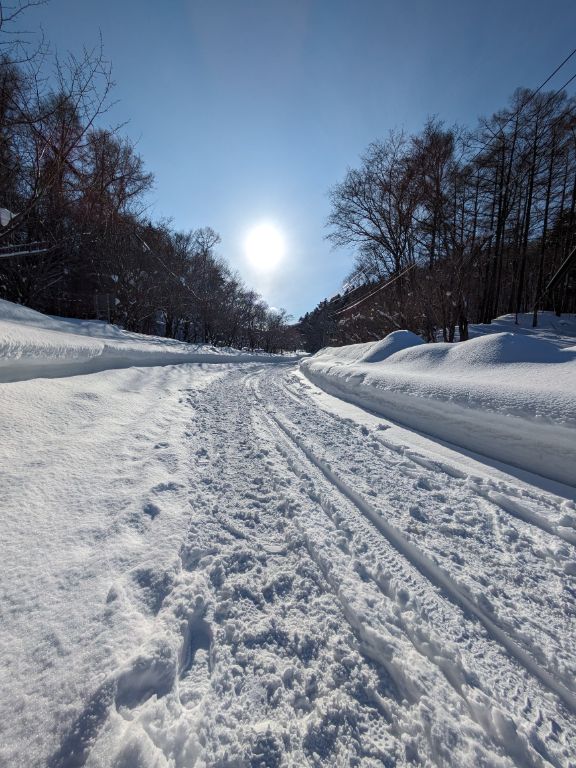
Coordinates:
[264,247]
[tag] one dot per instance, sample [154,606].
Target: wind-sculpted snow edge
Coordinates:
[24,369]
[523,414]
[33,345]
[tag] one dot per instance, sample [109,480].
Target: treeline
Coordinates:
[74,240]
[453,226]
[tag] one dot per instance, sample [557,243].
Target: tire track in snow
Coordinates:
[436,576]
[497,726]
[433,573]
[416,664]
[505,565]
[487,490]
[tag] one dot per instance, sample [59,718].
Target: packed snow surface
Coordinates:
[225,566]
[510,396]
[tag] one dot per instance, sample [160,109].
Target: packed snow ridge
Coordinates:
[507,395]
[33,344]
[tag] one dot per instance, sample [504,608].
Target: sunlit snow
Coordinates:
[225,565]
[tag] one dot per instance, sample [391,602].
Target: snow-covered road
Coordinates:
[222,565]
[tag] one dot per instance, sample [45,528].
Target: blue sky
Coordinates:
[249,110]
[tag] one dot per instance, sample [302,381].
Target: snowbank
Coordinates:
[394,342]
[511,397]
[34,345]
[560,331]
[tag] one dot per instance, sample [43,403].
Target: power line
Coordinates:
[380,288]
[532,96]
[558,68]
[514,116]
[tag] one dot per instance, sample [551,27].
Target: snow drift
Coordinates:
[560,331]
[511,397]
[35,345]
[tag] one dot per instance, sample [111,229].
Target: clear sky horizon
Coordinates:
[250,110]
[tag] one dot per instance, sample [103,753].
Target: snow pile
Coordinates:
[372,351]
[394,342]
[33,344]
[511,397]
[560,331]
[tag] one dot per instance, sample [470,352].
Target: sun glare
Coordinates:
[264,247]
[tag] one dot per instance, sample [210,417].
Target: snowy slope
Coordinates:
[509,396]
[33,344]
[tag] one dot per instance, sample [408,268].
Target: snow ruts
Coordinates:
[427,566]
[404,491]
[433,573]
[338,598]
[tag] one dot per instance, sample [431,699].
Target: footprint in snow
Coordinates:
[147,676]
[154,584]
[164,487]
[74,749]
[195,662]
[423,484]
[151,509]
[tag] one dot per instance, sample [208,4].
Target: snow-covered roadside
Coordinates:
[560,331]
[201,567]
[508,396]
[222,565]
[93,488]
[34,345]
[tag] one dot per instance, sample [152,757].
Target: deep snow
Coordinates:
[560,331]
[33,345]
[223,565]
[510,396]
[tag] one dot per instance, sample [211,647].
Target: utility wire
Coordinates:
[532,96]
[178,280]
[377,290]
[515,115]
